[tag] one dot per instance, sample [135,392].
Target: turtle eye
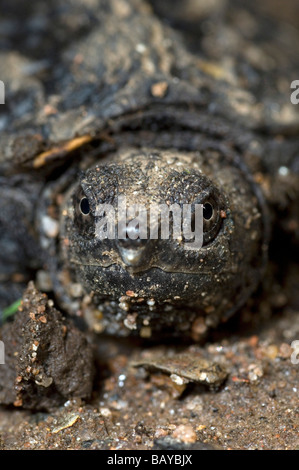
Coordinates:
[84,206]
[83,216]
[212,220]
[208,211]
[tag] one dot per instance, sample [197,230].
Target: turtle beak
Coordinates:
[132,249]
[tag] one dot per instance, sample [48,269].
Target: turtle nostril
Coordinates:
[130,238]
[132,243]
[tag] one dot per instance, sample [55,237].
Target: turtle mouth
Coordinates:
[133,270]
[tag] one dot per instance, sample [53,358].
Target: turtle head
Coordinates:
[163,226]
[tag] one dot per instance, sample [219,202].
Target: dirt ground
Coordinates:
[131,407]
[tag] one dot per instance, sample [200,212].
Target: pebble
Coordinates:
[159,89]
[50,226]
[285,350]
[185,433]
[271,351]
[160,433]
[255,372]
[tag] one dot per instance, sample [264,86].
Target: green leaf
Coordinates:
[11,310]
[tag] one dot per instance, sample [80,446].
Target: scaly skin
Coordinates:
[166,287]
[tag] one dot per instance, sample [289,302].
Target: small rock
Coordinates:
[285,350]
[50,226]
[185,433]
[255,372]
[159,89]
[271,351]
[188,366]
[160,433]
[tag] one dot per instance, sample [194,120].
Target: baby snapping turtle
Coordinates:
[151,106]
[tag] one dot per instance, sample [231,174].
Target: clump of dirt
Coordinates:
[47,358]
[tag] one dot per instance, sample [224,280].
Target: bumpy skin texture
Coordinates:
[165,285]
[207,86]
